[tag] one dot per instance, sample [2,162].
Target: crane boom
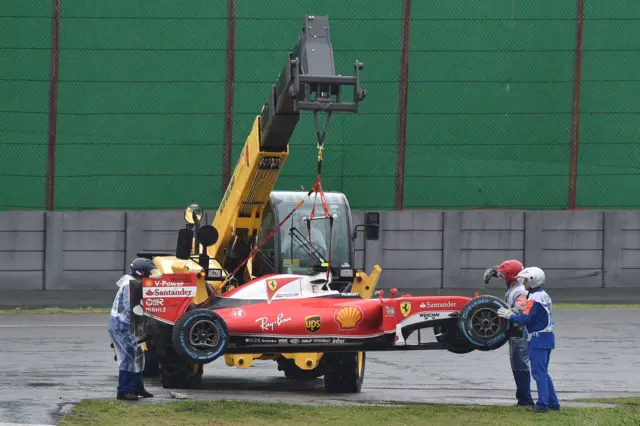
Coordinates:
[306,83]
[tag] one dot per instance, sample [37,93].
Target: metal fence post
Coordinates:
[53,103]
[577,77]
[229,92]
[402,104]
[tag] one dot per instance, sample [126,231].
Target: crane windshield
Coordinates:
[299,251]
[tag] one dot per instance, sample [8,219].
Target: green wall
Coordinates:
[359,156]
[609,155]
[141,102]
[490,98]
[140,109]
[25,39]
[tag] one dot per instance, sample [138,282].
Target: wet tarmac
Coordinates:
[50,362]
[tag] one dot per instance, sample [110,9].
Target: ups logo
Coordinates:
[312,323]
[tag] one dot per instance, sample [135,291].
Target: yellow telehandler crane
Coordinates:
[258,231]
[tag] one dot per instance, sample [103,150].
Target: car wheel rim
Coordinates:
[204,335]
[485,323]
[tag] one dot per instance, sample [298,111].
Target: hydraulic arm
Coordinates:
[307,82]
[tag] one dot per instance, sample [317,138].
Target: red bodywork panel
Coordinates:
[166,299]
[306,317]
[279,315]
[346,316]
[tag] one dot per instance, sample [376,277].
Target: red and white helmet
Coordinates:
[509,270]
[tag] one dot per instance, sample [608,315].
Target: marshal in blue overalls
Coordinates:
[538,331]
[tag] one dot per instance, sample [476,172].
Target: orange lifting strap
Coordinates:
[317,188]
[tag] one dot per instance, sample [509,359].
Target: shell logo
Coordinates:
[348,317]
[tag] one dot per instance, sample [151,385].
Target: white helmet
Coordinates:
[534,275]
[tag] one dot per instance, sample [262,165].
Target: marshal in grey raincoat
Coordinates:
[129,353]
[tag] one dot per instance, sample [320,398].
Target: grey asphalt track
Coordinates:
[50,362]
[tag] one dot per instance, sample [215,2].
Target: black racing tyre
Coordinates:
[344,372]
[449,334]
[480,324]
[200,336]
[292,371]
[176,374]
[151,365]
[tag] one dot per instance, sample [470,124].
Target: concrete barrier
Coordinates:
[425,252]
[22,250]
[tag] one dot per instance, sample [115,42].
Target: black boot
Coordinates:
[145,393]
[127,396]
[531,404]
[140,387]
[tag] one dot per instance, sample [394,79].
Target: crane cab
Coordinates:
[300,245]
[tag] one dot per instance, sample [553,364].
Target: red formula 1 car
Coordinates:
[283,314]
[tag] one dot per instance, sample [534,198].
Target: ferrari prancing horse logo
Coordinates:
[405,308]
[273,284]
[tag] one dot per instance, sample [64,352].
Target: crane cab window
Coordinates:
[300,248]
[265,262]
